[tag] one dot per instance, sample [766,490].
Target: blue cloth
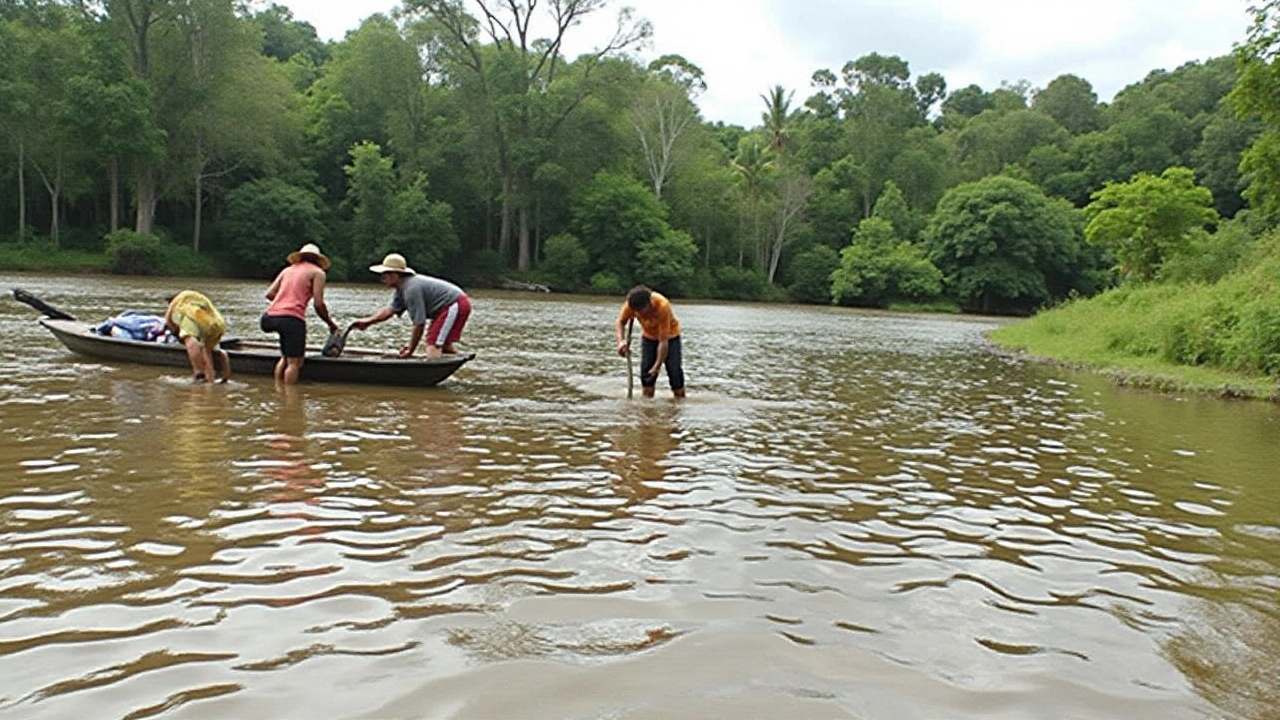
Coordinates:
[133,325]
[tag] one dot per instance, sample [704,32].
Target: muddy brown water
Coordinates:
[853,515]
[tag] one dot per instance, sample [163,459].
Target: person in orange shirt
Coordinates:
[660,338]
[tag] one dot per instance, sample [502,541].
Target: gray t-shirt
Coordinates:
[424,296]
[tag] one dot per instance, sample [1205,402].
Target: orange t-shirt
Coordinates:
[657,322]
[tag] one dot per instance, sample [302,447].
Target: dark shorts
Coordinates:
[293,333]
[674,363]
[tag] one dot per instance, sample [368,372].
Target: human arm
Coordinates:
[662,357]
[274,288]
[317,295]
[624,348]
[169,323]
[415,337]
[382,315]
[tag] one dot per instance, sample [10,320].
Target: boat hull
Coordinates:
[259,358]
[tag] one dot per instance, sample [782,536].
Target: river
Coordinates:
[852,515]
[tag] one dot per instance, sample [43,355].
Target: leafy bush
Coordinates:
[607,283]
[564,262]
[132,253]
[811,275]
[878,268]
[484,269]
[1209,257]
[735,283]
[666,263]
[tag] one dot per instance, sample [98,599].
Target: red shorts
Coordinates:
[446,326]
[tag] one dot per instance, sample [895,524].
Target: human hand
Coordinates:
[405,352]
[653,372]
[360,324]
[623,349]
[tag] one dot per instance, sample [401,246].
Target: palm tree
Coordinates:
[777,116]
[752,166]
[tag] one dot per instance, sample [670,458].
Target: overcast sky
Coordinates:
[746,47]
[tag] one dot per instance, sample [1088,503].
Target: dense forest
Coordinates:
[212,136]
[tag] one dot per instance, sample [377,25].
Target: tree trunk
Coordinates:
[199,206]
[523,264]
[146,197]
[54,193]
[22,190]
[115,193]
[504,230]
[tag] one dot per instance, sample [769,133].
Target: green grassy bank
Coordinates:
[157,258]
[1219,338]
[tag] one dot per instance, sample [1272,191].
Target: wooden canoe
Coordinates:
[355,365]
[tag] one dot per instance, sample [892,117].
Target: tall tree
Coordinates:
[517,80]
[1258,94]
[777,116]
[1071,101]
[663,110]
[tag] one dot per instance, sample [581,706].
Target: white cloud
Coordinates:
[747,46]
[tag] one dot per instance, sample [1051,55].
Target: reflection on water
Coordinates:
[853,515]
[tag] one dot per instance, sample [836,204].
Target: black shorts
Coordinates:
[293,333]
[673,363]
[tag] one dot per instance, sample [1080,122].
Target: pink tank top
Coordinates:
[294,293]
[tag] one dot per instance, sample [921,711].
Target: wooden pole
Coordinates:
[631,381]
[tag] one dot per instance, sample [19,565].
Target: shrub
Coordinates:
[735,283]
[564,262]
[607,283]
[666,262]
[132,253]
[811,274]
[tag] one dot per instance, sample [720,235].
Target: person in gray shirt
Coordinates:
[426,298]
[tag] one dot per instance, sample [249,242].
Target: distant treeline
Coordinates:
[197,134]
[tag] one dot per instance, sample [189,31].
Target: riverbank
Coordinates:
[1068,337]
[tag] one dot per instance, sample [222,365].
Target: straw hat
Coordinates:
[393,263]
[311,249]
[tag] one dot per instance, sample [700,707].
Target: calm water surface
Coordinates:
[852,516]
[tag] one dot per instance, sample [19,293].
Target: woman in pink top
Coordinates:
[293,288]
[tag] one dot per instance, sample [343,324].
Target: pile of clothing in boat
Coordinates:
[134,325]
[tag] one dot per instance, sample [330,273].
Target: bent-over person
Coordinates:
[425,298]
[659,341]
[194,320]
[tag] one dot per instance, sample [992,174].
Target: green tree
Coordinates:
[1149,219]
[878,268]
[615,214]
[967,102]
[810,274]
[264,220]
[371,178]
[1258,94]
[283,36]
[517,83]
[1003,246]
[667,262]
[418,227]
[564,262]
[892,206]
[1072,102]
